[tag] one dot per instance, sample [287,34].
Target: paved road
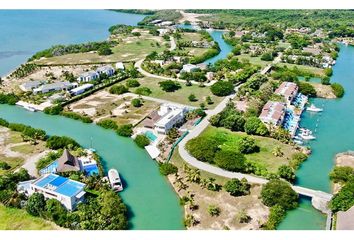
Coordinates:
[173,43]
[30,164]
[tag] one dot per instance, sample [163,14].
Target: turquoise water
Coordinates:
[224,47]
[334,131]
[24,32]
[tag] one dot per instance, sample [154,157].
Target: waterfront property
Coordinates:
[273,113]
[81,89]
[171,115]
[29,86]
[88,76]
[52,186]
[51,87]
[288,90]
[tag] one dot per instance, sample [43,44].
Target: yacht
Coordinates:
[313,108]
[30,108]
[307,136]
[114,180]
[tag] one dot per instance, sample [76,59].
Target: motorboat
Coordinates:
[307,136]
[30,108]
[298,142]
[313,108]
[114,180]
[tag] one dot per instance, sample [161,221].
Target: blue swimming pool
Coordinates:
[51,168]
[150,135]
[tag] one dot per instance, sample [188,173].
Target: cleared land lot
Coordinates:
[179,96]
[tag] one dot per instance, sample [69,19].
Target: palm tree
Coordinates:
[277,151]
[193,175]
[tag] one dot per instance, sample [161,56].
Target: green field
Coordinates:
[132,50]
[18,219]
[14,162]
[253,60]
[179,96]
[264,157]
[314,70]
[191,36]
[28,148]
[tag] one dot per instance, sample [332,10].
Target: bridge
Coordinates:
[266,69]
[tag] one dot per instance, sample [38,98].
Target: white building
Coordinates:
[88,76]
[108,70]
[120,65]
[52,186]
[171,115]
[81,89]
[58,86]
[189,68]
[29,86]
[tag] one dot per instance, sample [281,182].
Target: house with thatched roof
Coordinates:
[68,163]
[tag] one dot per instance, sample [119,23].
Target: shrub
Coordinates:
[167,169]
[254,126]
[192,98]
[104,50]
[54,110]
[17,127]
[118,89]
[56,212]
[268,56]
[4,166]
[325,80]
[133,83]
[286,172]
[341,174]
[297,159]
[337,89]
[136,102]
[328,72]
[343,200]
[141,140]
[108,124]
[307,89]
[276,215]
[230,160]
[57,142]
[203,148]
[278,192]
[77,116]
[248,145]
[4,123]
[169,85]
[10,98]
[145,91]
[222,88]
[125,130]
[35,204]
[214,210]
[237,188]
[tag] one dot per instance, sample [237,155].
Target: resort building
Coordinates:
[273,113]
[67,163]
[120,65]
[81,89]
[58,86]
[189,68]
[88,76]
[52,186]
[29,86]
[288,90]
[171,115]
[108,70]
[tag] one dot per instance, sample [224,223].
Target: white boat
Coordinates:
[298,142]
[114,180]
[313,108]
[307,136]
[29,108]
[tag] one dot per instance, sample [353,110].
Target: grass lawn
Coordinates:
[179,96]
[196,51]
[132,50]
[15,137]
[28,148]
[253,60]
[191,36]
[314,70]
[264,157]
[18,219]
[14,162]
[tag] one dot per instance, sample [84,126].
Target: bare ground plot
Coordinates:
[103,105]
[132,49]
[191,36]
[230,206]
[323,91]
[179,96]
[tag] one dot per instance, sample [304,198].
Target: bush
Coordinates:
[141,140]
[230,160]
[104,50]
[118,89]
[328,72]
[54,110]
[268,56]
[255,126]
[167,169]
[278,192]
[169,85]
[214,210]
[222,88]
[192,98]
[248,145]
[203,148]
[77,116]
[338,90]
[145,91]
[276,215]
[57,142]
[297,159]
[287,173]
[4,123]
[341,174]
[35,204]
[136,102]
[133,83]
[307,89]
[56,212]
[108,124]
[4,166]
[325,80]
[343,200]
[237,188]
[125,130]
[10,98]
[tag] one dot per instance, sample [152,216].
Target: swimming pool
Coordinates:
[150,135]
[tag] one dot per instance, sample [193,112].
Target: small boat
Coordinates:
[114,180]
[307,136]
[298,142]
[313,108]
[29,108]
